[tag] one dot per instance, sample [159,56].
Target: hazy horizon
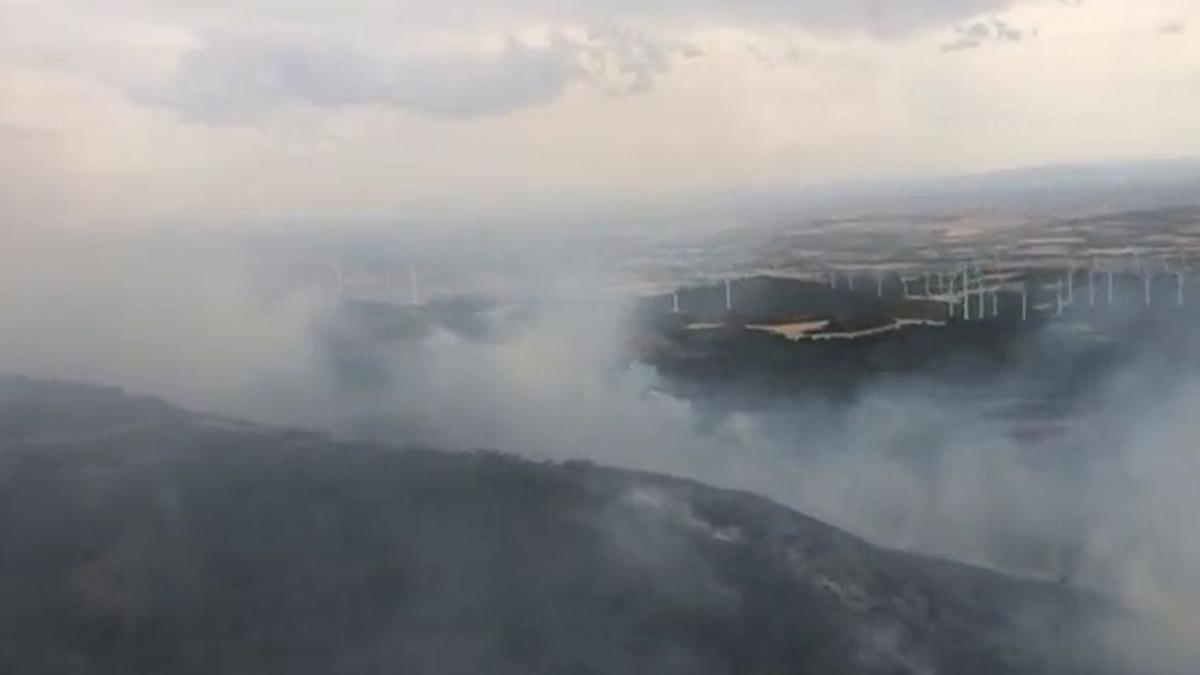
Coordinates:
[201,114]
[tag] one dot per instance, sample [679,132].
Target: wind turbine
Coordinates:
[1092,284]
[949,293]
[966,294]
[1179,279]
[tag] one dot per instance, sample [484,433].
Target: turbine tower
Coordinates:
[966,295]
[728,296]
[949,294]
[414,291]
[1092,284]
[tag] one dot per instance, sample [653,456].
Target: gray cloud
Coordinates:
[980,33]
[881,18]
[1175,27]
[633,60]
[253,57]
[237,77]
[773,59]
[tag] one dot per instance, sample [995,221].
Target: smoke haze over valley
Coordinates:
[914,461]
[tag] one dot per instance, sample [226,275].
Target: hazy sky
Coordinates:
[133,112]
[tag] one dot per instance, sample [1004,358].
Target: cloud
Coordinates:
[880,18]
[315,109]
[977,34]
[237,77]
[1174,27]
[772,59]
[632,59]
[240,76]
[17,133]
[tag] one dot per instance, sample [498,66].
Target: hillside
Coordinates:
[139,538]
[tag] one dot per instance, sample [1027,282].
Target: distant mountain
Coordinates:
[139,538]
[1111,173]
[1062,189]
[1112,186]
[1034,191]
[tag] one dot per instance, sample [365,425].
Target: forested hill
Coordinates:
[139,538]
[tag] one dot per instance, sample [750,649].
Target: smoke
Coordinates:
[909,462]
[185,319]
